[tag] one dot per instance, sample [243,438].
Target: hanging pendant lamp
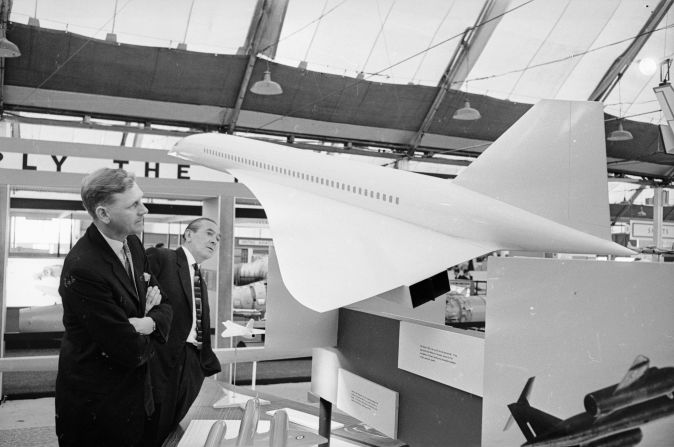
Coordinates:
[266,86]
[467,113]
[620,134]
[8,48]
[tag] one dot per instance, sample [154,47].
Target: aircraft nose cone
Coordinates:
[180,150]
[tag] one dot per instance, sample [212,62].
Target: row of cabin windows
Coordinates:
[311,178]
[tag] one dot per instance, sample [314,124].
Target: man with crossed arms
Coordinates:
[187,358]
[114,317]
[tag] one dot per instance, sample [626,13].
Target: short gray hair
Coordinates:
[196,224]
[99,187]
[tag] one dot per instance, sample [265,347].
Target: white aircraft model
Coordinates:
[236,330]
[345,231]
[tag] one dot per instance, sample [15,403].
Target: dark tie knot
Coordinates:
[197,272]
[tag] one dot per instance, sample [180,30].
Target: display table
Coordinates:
[212,391]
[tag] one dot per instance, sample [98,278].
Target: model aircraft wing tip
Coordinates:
[509,422]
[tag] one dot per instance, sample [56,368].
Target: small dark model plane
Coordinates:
[651,250]
[612,415]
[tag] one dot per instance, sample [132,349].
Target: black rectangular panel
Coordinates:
[429,289]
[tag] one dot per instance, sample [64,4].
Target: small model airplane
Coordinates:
[651,250]
[613,414]
[279,435]
[236,330]
[540,187]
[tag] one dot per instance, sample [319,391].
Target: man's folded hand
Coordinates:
[143,325]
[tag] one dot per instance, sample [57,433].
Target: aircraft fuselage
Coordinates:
[654,382]
[425,201]
[583,428]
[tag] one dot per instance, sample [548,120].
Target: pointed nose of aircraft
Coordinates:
[619,250]
[182,149]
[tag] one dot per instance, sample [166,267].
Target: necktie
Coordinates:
[197,301]
[127,261]
[148,399]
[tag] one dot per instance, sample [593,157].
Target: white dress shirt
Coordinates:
[118,248]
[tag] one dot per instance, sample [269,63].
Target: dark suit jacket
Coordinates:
[173,273]
[102,380]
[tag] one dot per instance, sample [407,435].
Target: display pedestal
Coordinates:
[429,412]
[576,325]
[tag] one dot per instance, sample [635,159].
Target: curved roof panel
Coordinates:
[539,49]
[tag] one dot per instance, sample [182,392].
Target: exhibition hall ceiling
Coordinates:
[361,71]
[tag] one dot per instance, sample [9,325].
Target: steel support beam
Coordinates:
[233,116]
[629,203]
[473,41]
[266,39]
[5,10]
[127,128]
[622,62]
[266,25]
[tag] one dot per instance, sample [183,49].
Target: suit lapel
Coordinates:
[115,264]
[184,275]
[123,277]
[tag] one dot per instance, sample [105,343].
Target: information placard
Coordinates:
[365,400]
[442,355]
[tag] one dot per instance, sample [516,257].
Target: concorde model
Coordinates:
[345,231]
[612,415]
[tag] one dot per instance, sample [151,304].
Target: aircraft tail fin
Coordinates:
[531,421]
[551,162]
[524,395]
[636,371]
[249,325]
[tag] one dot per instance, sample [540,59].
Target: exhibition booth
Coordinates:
[394,374]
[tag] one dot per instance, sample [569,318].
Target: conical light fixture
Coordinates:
[266,86]
[467,113]
[620,134]
[8,49]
